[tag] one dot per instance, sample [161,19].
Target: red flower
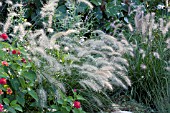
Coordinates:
[9,91]
[4,36]
[14,51]
[77,104]
[23,60]
[3,81]
[1,92]
[4,63]
[1,108]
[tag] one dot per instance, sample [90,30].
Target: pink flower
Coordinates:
[4,36]
[77,104]
[4,63]
[75,90]
[1,108]
[3,81]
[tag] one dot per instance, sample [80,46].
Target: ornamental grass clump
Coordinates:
[147,67]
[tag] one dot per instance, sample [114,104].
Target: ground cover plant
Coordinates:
[56,57]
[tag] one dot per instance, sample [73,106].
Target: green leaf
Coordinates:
[75,110]
[81,8]
[63,109]
[60,101]
[14,102]
[68,108]
[11,110]
[22,82]
[54,107]
[70,99]
[97,2]
[2,54]
[21,99]
[111,10]
[17,107]
[79,97]
[6,101]
[34,104]
[15,83]
[33,94]
[31,75]
[98,13]
[4,75]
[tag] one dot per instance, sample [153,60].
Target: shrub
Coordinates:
[62,61]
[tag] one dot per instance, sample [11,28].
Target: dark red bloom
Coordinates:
[77,104]
[9,91]
[14,51]
[23,60]
[1,108]
[4,36]
[3,81]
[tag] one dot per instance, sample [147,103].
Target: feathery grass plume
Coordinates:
[43,97]
[168,43]
[146,23]
[9,2]
[98,66]
[20,30]
[48,10]
[87,3]
[8,22]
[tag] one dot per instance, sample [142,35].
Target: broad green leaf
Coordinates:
[2,54]
[31,75]
[60,101]
[75,110]
[33,94]
[17,107]
[98,13]
[22,82]
[34,104]
[63,109]
[81,8]
[3,75]
[68,108]
[54,107]
[112,10]
[21,100]
[15,83]
[96,2]
[70,99]
[12,110]
[14,102]
[61,12]
[79,97]
[6,101]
